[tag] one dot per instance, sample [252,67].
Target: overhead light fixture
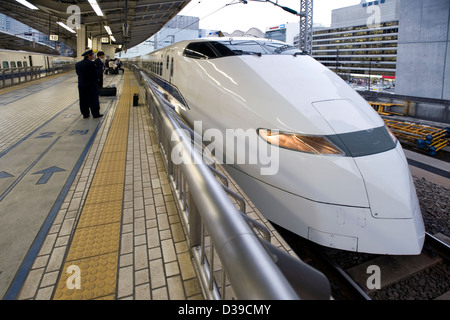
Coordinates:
[96,7]
[113,39]
[27,4]
[108,29]
[66,27]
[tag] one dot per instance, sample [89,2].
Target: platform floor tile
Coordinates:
[132,248]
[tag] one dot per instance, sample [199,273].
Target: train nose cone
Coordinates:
[381,163]
[389,185]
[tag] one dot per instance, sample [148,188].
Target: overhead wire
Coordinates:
[229,4]
[221,8]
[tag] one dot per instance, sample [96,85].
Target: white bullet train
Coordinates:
[340,177]
[20,59]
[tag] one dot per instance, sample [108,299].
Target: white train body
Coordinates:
[342,179]
[20,59]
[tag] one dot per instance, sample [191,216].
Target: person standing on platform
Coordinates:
[99,63]
[87,85]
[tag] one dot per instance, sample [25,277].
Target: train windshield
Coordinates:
[226,48]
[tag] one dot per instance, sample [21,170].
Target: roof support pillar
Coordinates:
[81,41]
[97,44]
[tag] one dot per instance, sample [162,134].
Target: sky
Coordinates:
[219,15]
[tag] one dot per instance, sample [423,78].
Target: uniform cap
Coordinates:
[87,53]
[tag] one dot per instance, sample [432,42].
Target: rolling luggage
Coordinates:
[108,91]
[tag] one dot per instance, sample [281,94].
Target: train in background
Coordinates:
[21,59]
[342,181]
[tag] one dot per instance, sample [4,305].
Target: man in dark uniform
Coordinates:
[87,85]
[100,67]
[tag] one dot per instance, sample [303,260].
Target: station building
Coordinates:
[423,66]
[361,42]
[287,32]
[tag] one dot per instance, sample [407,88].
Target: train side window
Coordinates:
[13,64]
[199,50]
[160,68]
[167,63]
[19,64]
[171,68]
[5,64]
[25,64]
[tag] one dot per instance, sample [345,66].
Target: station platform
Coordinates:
[86,204]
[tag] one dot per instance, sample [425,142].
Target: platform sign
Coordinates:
[105,39]
[53,37]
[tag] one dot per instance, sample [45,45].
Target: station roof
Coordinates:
[14,42]
[143,18]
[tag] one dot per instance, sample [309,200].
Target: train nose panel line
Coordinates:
[393,198]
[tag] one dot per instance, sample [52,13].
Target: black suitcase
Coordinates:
[108,91]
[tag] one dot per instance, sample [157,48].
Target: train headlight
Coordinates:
[298,142]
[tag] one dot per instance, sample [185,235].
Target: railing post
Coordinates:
[3,79]
[195,223]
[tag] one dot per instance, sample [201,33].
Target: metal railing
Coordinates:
[232,253]
[12,76]
[15,75]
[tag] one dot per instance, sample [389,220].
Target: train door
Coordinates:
[30,61]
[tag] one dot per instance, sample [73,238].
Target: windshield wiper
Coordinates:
[284,48]
[241,52]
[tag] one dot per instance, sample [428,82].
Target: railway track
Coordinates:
[359,276]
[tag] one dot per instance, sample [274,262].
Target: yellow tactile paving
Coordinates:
[108,178]
[110,166]
[100,213]
[94,248]
[94,241]
[97,278]
[104,193]
[113,156]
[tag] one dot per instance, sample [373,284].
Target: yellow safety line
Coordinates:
[94,250]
